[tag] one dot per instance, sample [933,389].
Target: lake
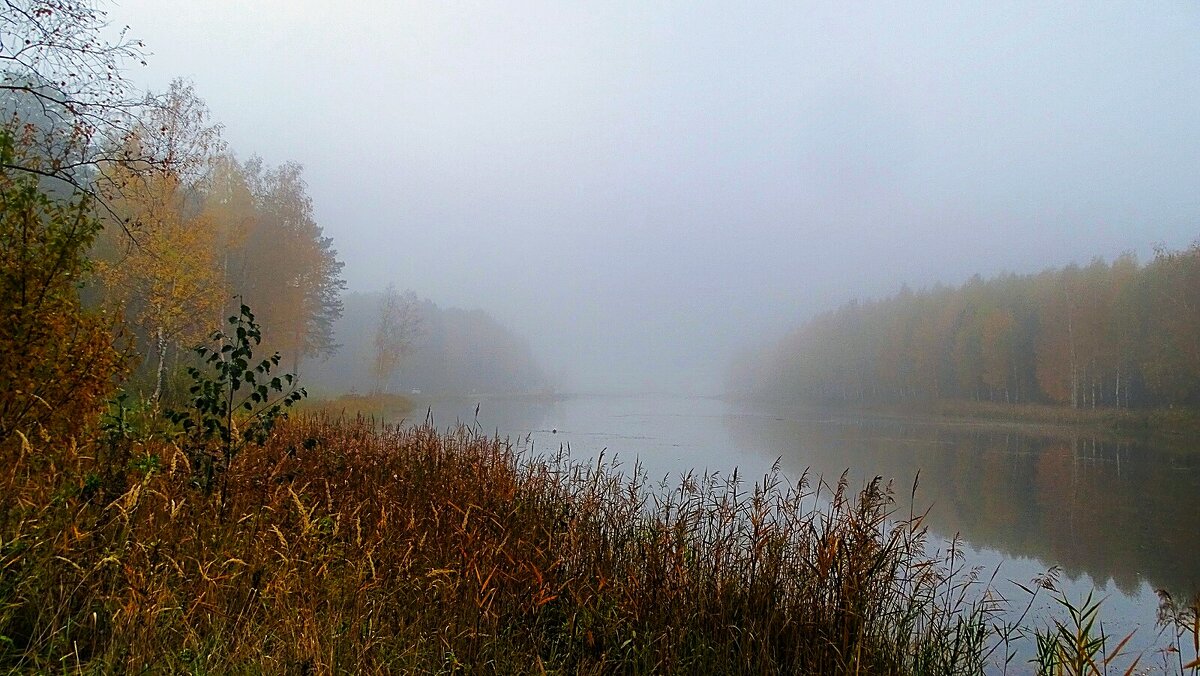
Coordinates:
[1116,517]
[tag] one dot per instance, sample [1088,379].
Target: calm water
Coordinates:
[1119,518]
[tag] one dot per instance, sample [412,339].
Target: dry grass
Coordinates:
[347,548]
[380,406]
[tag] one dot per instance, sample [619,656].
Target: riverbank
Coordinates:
[1176,428]
[415,407]
[382,406]
[1174,422]
[344,546]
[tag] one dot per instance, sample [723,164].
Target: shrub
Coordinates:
[57,360]
[234,401]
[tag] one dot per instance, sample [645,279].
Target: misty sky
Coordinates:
[641,187]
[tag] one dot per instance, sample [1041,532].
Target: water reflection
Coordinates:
[1116,511]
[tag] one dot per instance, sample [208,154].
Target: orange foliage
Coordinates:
[57,360]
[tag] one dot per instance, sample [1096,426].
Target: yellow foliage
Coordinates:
[167,279]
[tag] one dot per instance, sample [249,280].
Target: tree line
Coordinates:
[396,342]
[209,233]
[1105,335]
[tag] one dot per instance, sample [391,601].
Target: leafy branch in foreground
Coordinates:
[234,402]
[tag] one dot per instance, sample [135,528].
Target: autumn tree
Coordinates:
[1125,329]
[57,360]
[400,324]
[1172,332]
[167,280]
[228,204]
[166,284]
[187,225]
[295,275]
[212,228]
[997,347]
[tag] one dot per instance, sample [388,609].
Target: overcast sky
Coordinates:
[642,187]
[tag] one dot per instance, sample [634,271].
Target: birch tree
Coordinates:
[167,280]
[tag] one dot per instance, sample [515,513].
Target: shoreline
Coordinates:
[1169,427]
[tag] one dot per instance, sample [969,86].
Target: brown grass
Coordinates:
[380,406]
[345,547]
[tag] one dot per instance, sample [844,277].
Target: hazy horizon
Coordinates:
[641,190]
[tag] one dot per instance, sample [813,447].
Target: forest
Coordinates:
[181,232]
[1113,335]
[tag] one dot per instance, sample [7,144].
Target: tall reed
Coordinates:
[344,546]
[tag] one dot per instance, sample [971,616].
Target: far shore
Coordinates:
[1175,427]
[1172,427]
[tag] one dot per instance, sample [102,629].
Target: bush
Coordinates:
[57,360]
[234,402]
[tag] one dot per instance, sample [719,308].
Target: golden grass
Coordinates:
[382,407]
[344,547]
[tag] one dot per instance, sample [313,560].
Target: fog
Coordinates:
[641,189]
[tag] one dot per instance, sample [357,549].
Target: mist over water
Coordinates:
[1114,517]
[1113,510]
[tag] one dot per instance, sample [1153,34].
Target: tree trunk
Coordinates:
[162,354]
